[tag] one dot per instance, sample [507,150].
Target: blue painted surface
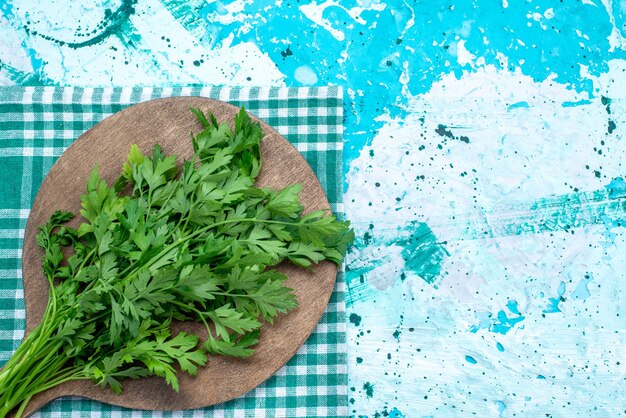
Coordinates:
[484,165]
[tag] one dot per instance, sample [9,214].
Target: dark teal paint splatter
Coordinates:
[396,335]
[110,25]
[470,359]
[423,254]
[369,389]
[355,319]
[442,130]
[612,126]
[606,102]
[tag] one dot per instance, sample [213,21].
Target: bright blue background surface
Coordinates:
[483,165]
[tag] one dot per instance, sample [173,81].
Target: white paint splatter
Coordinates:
[463,56]
[305,75]
[549,13]
[314,12]
[233,12]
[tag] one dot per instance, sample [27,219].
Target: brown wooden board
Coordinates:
[169,123]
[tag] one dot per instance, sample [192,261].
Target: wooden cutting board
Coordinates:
[169,123]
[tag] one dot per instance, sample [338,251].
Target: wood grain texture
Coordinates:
[169,122]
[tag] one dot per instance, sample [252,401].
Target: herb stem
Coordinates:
[20,411]
[198,312]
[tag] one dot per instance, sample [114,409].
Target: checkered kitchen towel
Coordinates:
[38,123]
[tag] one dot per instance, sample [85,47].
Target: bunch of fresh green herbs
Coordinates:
[163,244]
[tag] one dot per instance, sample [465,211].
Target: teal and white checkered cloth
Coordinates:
[38,123]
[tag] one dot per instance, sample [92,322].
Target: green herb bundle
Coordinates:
[168,243]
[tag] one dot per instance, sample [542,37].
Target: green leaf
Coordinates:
[90,302]
[227,318]
[274,298]
[197,284]
[105,242]
[165,260]
[200,116]
[184,349]
[108,267]
[59,217]
[220,159]
[135,158]
[117,321]
[243,278]
[261,240]
[98,198]
[241,348]
[280,232]
[90,273]
[304,254]
[234,188]
[286,202]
